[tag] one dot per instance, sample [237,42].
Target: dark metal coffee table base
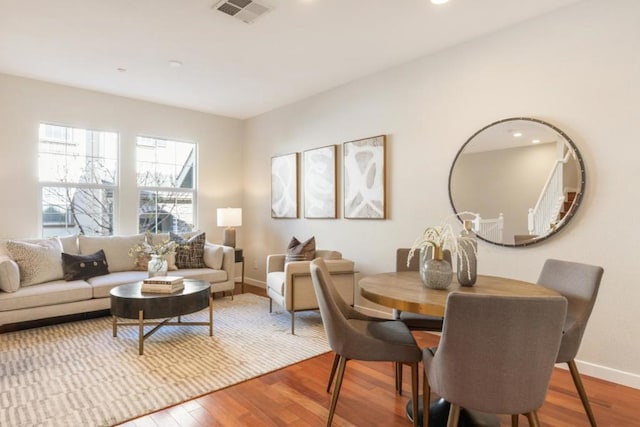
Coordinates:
[128,302]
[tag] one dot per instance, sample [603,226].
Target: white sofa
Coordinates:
[59,297]
[289,283]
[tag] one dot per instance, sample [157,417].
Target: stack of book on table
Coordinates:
[162,284]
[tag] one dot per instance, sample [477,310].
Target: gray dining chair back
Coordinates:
[496,354]
[579,283]
[358,339]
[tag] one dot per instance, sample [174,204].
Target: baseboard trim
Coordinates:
[256,283]
[608,374]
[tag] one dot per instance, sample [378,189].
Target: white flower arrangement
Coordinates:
[145,250]
[443,237]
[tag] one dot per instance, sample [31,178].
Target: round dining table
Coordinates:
[405,291]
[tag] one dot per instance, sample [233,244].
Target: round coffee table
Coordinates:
[129,302]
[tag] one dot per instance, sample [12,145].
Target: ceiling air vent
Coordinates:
[244,10]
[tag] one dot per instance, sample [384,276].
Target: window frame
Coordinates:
[42,184]
[167,189]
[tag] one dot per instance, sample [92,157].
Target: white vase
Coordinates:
[157,266]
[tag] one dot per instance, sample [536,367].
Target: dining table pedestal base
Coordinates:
[439,414]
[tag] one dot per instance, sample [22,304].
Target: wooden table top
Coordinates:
[405,291]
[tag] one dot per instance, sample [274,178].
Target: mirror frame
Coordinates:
[572,210]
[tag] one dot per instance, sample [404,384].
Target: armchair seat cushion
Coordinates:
[275,281]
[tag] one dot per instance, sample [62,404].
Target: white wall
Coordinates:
[25,103]
[577,68]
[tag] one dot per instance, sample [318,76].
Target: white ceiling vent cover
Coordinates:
[244,10]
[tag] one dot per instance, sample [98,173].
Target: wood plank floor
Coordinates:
[295,396]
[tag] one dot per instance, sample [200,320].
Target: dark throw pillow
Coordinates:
[189,253]
[301,251]
[82,267]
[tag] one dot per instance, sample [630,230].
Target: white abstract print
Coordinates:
[320,182]
[364,178]
[284,190]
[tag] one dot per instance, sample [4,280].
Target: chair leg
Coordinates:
[334,366]
[399,377]
[581,392]
[336,390]
[514,420]
[454,415]
[414,392]
[293,322]
[270,305]
[426,399]
[533,419]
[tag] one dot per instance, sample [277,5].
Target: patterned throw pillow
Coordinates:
[38,262]
[82,267]
[301,251]
[189,253]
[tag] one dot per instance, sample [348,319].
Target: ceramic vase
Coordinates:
[157,266]
[435,272]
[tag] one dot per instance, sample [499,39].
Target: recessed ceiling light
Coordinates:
[535,141]
[175,63]
[121,70]
[439,1]
[517,134]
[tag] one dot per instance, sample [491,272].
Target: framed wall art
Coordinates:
[364,178]
[284,186]
[320,182]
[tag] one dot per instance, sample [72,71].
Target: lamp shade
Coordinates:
[229,217]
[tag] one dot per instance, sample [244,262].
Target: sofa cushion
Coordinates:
[69,243]
[213,255]
[82,267]
[50,293]
[189,253]
[301,251]
[38,262]
[116,249]
[9,274]
[102,285]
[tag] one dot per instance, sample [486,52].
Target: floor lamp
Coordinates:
[229,218]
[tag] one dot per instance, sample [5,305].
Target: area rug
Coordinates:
[78,374]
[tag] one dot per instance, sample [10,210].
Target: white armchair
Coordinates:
[289,284]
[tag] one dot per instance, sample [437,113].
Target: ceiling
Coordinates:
[298,49]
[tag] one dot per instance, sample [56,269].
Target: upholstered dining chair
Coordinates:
[579,283]
[354,339]
[496,354]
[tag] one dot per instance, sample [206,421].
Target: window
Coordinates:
[166,172]
[77,172]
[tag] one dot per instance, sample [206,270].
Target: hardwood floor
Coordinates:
[295,396]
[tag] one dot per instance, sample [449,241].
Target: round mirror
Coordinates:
[520,180]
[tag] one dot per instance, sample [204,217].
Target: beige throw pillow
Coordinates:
[9,274]
[38,262]
[213,255]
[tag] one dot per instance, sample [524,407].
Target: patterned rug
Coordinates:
[78,374]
